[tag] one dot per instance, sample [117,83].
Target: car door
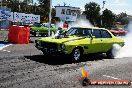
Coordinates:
[96,42]
[106,40]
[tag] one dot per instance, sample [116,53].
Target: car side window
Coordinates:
[79,32]
[87,32]
[74,32]
[105,34]
[96,33]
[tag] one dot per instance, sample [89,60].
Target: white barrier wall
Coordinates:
[20,17]
[5,15]
[67,13]
[11,16]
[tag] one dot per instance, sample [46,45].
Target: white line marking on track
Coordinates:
[8,51]
[4,46]
[4,50]
[110,77]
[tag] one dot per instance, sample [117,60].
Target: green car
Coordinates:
[79,41]
[42,29]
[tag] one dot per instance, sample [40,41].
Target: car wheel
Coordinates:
[114,51]
[110,54]
[41,35]
[76,54]
[37,34]
[34,34]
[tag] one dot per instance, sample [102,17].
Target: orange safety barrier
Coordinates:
[19,34]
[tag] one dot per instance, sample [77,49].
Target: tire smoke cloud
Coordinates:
[126,50]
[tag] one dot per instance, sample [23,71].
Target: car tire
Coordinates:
[76,55]
[34,34]
[113,52]
[37,34]
[110,54]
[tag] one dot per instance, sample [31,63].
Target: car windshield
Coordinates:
[47,25]
[79,32]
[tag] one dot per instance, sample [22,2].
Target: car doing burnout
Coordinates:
[118,31]
[79,41]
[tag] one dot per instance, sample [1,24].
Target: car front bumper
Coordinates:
[51,51]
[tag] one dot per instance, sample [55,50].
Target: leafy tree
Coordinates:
[26,6]
[108,18]
[92,12]
[122,18]
[18,5]
[44,7]
[13,4]
[28,2]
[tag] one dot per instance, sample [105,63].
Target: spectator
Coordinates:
[65,25]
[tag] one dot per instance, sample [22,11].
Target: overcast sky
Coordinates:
[117,6]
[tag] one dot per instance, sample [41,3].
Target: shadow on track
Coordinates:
[50,60]
[94,57]
[4,42]
[61,60]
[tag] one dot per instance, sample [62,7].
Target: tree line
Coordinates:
[92,12]
[107,19]
[28,6]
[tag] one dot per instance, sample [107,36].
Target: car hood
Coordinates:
[37,27]
[62,40]
[42,28]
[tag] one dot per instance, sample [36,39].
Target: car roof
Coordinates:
[90,27]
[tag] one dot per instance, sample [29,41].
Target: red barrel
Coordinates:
[19,34]
[13,34]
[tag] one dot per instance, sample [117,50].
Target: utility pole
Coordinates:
[19,5]
[35,7]
[102,12]
[50,17]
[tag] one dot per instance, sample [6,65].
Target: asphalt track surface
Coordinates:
[23,66]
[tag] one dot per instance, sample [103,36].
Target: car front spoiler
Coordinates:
[51,51]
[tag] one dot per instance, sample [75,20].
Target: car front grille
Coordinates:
[49,45]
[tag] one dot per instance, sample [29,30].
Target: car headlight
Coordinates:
[62,46]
